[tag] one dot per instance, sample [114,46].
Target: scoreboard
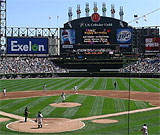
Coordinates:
[107,32]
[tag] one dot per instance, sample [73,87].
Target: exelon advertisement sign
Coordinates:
[18,45]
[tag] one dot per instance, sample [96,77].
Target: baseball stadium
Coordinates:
[96,75]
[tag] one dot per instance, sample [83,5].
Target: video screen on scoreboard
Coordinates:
[95,36]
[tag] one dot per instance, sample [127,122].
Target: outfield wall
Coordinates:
[109,74]
[79,74]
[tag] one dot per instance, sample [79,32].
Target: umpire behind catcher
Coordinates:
[26,114]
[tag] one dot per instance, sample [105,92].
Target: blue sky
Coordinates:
[36,13]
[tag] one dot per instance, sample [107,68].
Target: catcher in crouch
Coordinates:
[39,119]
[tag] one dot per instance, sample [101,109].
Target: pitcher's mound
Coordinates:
[50,125]
[67,104]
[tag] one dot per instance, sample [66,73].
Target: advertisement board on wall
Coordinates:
[19,45]
[67,36]
[152,44]
[124,36]
[67,39]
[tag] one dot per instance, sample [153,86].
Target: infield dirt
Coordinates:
[53,125]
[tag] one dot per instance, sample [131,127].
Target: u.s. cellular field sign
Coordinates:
[17,45]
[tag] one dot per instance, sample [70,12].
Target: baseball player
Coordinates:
[115,84]
[75,89]
[144,129]
[63,97]
[26,114]
[4,92]
[39,119]
[44,87]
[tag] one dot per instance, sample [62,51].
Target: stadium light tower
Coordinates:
[70,14]
[112,10]
[78,11]
[2,23]
[104,9]
[95,9]
[87,9]
[121,13]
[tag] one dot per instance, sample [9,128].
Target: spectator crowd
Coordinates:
[145,65]
[9,65]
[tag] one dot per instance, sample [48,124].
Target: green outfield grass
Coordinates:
[150,85]
[91,105]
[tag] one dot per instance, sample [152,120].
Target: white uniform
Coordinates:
[144,130]
[75,89]
[4,92]
[44,87]
[39,120]
[63,97]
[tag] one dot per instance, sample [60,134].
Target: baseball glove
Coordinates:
[35,120]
